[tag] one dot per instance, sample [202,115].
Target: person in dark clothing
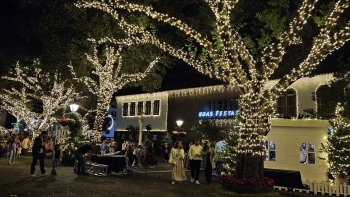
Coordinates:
[166,152]
[79,155]
[209,156]
[55,158]
[38,152]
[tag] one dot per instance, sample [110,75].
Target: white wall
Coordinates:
[288,135]
[158,122]
[304,88]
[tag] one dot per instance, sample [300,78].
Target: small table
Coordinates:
[115,163]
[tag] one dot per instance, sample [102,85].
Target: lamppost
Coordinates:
[73,107]
[140,131]
[179,124]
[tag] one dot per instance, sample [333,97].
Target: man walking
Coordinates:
[195,156]
[38,152]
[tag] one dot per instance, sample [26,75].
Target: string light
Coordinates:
[15,100]
[337,146]
[256,103]
[110,79]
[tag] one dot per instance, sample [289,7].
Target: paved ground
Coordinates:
[15,181]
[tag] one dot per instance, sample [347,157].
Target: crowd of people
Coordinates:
[208,157]
[193,156]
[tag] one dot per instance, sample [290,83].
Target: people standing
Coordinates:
[209,156]
[137,156]
[38,152]
[195,156]
[79,155]
[220,144]
[177,155]
[12,143]
[124,147]
[166,152]
[104,147]
[25,144]
[112,146]
[55,158]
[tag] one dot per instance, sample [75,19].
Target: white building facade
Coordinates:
[292,143]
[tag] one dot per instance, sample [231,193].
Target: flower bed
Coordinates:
[229,182]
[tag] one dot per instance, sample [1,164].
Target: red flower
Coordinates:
[63,122]
[230,179]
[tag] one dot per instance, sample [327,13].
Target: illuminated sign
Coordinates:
[217,114]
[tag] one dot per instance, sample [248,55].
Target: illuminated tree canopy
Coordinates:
[31,85]
[226,55]
[110,78]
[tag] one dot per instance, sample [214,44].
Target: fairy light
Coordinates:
[57,97]
[337,146]
[256,103]
[110,79]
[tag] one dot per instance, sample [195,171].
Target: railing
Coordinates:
[324,188]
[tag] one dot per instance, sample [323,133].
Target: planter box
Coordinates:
[246,189]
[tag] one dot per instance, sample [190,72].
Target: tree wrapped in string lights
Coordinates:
[225,55]
[110,77]
[337,146]
[29,86]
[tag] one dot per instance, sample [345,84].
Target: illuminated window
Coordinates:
[132,108]
[154,137]
[139,108]
[269,151]
[125,109]
[307,153]
[148,108]
[156,107]
[286,104]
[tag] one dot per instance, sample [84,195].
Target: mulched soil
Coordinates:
[15,181]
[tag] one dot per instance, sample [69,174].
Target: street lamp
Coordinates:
[73,107]
[179,123]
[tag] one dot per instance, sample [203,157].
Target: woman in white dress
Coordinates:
[176,159]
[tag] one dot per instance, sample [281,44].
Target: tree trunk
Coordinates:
[254,126]
[102,107]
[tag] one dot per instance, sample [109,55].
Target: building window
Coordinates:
[286,104]
[156,107]
[139,108]
[231,104]
[220,105]
[137,137]
[123,136]
[130,136]
[154,137]
[225,105]
[307,153]
[148,108]
[125,109]
[214,105]
[132,108]
[269,151]
[209,105]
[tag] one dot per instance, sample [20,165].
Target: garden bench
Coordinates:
[286,178]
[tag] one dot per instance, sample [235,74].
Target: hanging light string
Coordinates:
[110,77]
